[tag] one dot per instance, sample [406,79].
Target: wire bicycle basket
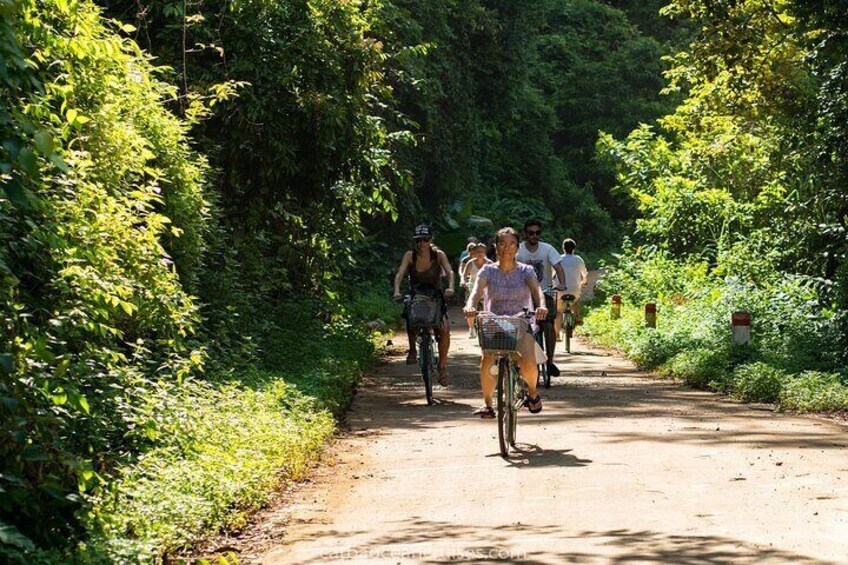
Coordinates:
[424,311]
[500,334]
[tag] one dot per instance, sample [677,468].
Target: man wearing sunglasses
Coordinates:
[544,258]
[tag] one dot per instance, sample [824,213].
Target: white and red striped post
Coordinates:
[651,315]
[740,322]
[615,307]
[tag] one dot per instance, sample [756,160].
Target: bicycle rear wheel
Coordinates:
[425,362]
[506,408]
[568,326]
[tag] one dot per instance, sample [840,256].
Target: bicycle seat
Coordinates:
[568,297]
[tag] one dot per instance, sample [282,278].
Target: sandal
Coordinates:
[444,377]
[411,358]
[485,412]
[529,402]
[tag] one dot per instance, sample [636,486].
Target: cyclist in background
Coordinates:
[576,278]
[468,276]
[466,253]
[425,265]
[543,257]
[508,287]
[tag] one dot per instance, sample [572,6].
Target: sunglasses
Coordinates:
[424,239]
[534,232]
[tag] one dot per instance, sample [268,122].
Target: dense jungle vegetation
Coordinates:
[200,202]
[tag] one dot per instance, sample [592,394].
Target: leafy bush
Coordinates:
[103,216]
[815,391]
[700,367]
[757,382]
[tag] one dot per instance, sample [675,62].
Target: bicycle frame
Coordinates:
[426,339]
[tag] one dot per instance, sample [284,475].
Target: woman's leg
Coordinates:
[529,368]
[487,381]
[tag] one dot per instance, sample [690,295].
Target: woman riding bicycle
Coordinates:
[508,287]
[426,265]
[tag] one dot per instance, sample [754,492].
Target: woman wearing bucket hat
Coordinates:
[425,265]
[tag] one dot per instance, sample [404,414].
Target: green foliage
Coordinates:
[700,367]
[815,391]
[737,201]
[94,308]
[757,382]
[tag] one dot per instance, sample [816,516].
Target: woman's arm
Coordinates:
[448,270]
[402,270]
[474,296]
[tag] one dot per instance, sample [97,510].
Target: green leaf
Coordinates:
[44,143]
[10,535]
[59,396]
[83,403]
[28,161]
[17,194]
[59,162]
[6,363]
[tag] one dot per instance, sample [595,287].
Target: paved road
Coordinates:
[618,468]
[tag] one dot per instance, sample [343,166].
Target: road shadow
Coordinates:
[531,455]
[418,540]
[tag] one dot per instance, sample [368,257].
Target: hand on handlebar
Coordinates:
[397,297]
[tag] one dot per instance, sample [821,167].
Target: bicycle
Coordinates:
[425,314]
[569,320]
[545,335]
[500,335]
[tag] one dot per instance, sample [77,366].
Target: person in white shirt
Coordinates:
[544,259]
[576,277]
[468,276]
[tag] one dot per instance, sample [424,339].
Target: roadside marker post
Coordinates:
[651,315]
[615,307]
[740,323]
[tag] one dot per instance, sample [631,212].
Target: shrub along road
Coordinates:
[619,467]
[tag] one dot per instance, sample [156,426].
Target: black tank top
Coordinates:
[430,277]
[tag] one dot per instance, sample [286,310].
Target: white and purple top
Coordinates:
[507,294]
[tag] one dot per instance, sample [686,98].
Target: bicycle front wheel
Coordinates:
[544,378]
[425,352]
[506,409]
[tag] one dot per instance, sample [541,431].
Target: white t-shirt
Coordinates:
[575,273]
[542,260]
